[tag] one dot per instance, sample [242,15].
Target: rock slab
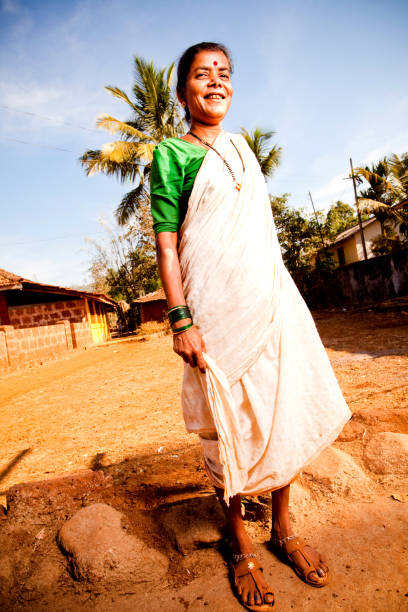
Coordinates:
[387,453]
[335,472]
[100,551]
[195,523]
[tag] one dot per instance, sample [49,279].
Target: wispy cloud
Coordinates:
[32,96]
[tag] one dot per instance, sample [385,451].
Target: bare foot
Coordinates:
[245,585]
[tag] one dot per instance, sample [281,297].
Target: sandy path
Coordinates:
[121,401]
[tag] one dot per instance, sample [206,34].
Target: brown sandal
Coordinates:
[284,550]
[248,565]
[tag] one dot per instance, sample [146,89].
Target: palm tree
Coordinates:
[399,174]
[258,141]
[156,115]
[388,185]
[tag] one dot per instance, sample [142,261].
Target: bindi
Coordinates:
[215,63]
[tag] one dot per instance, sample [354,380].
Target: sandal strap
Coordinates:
[290,545]
[297,545]
[247,566]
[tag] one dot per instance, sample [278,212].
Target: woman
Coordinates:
[258,387]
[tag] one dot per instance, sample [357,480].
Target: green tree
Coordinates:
[137,275]
[155,115]
[259,142]
[340,216]
[124,265]
[298,237]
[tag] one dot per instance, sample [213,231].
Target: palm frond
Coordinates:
[399,172]
[119,93]
[373,178]
[130,203]
[258,142]
[368,205]
[123,151]
[95,161]
[271,161]
[115,126]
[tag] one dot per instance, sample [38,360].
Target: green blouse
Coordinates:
[174,168]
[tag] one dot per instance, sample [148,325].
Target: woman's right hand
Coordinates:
[190,345]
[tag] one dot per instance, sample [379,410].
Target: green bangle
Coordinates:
[178,313]
[177,316]
[177,330]
[174,307]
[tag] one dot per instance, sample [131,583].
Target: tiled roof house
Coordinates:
[39,321]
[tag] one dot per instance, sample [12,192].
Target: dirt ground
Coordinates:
[115,407]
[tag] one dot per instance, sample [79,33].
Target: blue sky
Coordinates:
[328,76]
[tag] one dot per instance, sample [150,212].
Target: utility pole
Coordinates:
[317,221]
[358,210]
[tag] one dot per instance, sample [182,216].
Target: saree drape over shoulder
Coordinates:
[269,390]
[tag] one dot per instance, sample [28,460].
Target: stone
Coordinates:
[100,551]
[194,523]
[387,453]
[335,472]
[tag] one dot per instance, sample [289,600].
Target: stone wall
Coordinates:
[363,282]
[374,280]
[27,346]
[81,334]
[24,347]
[47,313]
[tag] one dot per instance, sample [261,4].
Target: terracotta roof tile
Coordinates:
[8,280]
[151,297]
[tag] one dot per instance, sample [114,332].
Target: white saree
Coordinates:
[269,390]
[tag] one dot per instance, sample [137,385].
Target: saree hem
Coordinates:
[327,443]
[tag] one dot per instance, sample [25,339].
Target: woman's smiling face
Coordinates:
[208,89]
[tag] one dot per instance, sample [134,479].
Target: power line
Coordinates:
[49,239]
[60,121]
[37,144]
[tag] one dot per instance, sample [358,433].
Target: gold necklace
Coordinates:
[207,144]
